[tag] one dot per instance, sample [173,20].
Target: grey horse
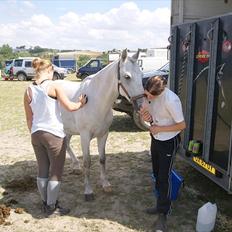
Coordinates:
[94,119]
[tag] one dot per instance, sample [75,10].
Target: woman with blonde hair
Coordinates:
[42,101]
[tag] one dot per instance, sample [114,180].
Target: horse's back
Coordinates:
[70,88]
[72,91]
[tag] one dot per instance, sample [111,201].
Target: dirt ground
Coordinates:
[128,168]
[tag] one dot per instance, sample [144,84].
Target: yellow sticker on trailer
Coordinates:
[204,165]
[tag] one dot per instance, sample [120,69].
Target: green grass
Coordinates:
[11,106]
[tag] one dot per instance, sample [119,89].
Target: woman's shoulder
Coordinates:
[171,96]
[49,84]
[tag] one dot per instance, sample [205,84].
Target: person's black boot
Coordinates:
[152,210]
[161,223]
[56,210]
[44,205]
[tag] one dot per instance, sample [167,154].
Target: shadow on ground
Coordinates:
[123,123]
[129,174]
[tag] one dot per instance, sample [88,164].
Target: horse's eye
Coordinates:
[127,77]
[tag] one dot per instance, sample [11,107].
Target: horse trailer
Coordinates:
[201,74]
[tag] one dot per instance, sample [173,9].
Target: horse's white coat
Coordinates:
[95,118]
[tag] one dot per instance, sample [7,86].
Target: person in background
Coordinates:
[42,100]
[164,112]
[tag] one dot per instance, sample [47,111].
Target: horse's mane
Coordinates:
[98,75]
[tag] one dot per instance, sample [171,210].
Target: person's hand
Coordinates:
[144,113]
[83,99]
[154,129]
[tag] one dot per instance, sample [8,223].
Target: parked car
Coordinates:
[59,73]
[123,105]
[91,67]
[163,71]
[22,69]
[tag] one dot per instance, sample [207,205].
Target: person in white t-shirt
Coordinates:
[164,112]
[42,101]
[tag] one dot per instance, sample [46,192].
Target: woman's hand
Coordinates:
[154,129]
[145,114]
[83,99]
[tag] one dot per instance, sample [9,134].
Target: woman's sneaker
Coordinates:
[161,223]
[56,210]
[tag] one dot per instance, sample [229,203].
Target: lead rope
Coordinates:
[119,81]
[185,46]
[219,77]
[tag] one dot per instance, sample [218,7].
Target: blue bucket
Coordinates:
[177,181]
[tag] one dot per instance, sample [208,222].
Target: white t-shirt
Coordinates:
[166,110]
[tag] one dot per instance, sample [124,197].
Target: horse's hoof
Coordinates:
[89,197]
[107,189]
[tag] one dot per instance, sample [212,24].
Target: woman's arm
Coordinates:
[154,129]
[65,102]
[28,111]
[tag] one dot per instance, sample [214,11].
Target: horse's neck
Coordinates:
[106,83]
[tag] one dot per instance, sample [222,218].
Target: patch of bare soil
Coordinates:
[26,184]
[128,169]
[4,213]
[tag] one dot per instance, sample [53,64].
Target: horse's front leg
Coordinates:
[75,162]
[101,142]
[85,143]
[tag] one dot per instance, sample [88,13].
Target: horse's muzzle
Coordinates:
[137,102]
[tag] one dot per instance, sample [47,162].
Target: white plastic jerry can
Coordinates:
[206,217]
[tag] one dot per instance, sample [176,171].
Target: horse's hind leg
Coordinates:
[101,141]
[75,162]
[85,143]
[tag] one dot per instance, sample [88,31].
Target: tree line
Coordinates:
[8,53]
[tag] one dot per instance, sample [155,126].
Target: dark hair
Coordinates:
[156,85]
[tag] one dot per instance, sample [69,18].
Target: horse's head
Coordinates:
[130,79]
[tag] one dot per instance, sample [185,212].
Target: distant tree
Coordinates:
[21,47]
[83,59]
[23,54]
[37,49]
[6,50]
[104,57]
[47,55]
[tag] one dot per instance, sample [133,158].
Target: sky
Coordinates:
[97,25]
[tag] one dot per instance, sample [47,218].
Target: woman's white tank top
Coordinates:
[46,111]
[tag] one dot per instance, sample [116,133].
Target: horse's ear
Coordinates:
[136,55]
[124,55]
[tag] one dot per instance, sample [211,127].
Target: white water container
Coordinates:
[206,217]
